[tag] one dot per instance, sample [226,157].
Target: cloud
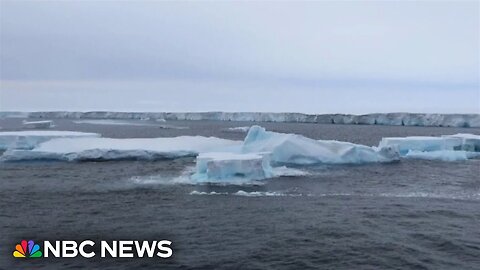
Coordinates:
[394,47]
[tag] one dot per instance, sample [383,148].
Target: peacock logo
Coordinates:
[27,250]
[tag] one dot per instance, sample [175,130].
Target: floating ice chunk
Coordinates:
[444,155]
[38,124]
[296,149]
[111,149]
[237,129]
[30,139]
[207,193]
[470,142]
[172,127]
[421,143]
[215,167]
[109,122]
[259,193]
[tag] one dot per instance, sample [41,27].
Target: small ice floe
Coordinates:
[207,193]
[237,129]
[247,194]
[218,167]
[110,122]
[259,193]
[172,127]
[38,124]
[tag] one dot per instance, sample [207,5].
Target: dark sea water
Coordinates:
[413,214]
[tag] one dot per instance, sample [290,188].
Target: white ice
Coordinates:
[421,143]
[263,151]
[237,129]
[38,124]
[451,145]
[30,139]
[443,155]
[110,149]
[470,142]
[214,167]
[110,122]
[297,149]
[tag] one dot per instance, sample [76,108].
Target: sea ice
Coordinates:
[443,155]
[110,149]
[214,167]
[30,139]
[296,149]
[470,142]
[421,143]
[38,124]
[237,129]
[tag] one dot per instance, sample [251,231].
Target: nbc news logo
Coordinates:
[112,249]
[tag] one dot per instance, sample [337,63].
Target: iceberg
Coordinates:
[215,167]
[262,153]
[469,142]
[37,124]
[443,155]
[30,139]
[237,129]
[448,143]
[84,149]
[297,149]
[421,143]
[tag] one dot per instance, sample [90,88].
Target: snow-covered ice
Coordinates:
[30,139]
[263,151]
[76,149]
[443,155]
[457,142]
[297,149]
[470,142]
[237,129]
[111,122]
[37,124]
[214,167]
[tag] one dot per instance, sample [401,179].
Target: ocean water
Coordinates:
[413,214]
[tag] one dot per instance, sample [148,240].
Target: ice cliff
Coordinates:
[396,119]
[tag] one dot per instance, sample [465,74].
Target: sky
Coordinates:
[271,56]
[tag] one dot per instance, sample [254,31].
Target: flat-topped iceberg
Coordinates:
[214,167]
[297,149]
[443,155]
[448,143]
[421,143]
[263,152]
[469,142]
[78,149]
[30,139]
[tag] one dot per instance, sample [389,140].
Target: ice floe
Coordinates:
[443,155]
[38,124]
[79,149]
[30,139]
[237,129]
[300,150]
[214,167]
[447,147]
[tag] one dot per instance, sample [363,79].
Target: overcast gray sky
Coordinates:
[314,57]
